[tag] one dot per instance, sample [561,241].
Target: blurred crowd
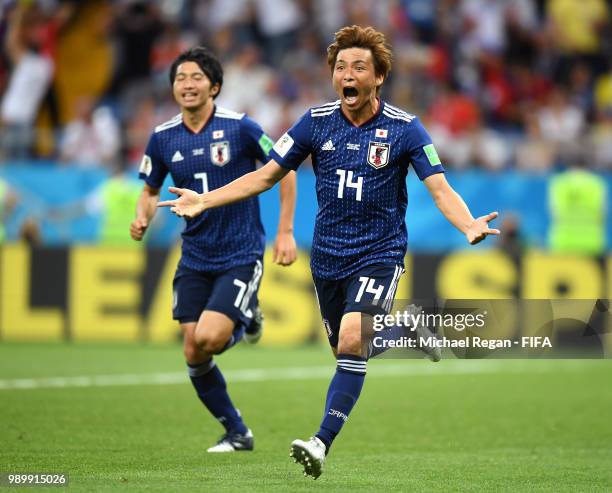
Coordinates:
[499,84]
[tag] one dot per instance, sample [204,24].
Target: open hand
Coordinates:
[479,229]
[188,204]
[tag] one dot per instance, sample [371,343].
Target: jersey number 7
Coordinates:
[204,178]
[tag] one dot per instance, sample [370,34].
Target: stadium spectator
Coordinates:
[29,81]
[533,152]
[576,27]
[93,138]
[278,22]
[115,200]
[578,203]
[483,26]
[560,121]
[246,66]
[137,27]
[522,27]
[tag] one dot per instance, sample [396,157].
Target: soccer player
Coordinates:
[217,279]
[361,149]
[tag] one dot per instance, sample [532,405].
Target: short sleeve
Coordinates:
[258,144]
[152,168]
[295,146]
[421,151]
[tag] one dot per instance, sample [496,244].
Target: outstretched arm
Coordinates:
[145,210]
[456,211]
[14,45]
[191,204]
[285,250]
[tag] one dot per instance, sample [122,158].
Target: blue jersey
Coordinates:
[225,149]
[361,183]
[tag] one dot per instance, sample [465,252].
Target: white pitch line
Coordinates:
[447,367]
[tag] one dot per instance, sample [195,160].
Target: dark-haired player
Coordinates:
[217,279]
[361,150]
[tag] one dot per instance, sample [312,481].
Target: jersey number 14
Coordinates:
[346,181]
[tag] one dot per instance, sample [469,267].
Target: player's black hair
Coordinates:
[206,60]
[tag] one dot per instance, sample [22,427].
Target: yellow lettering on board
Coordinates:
[105,293]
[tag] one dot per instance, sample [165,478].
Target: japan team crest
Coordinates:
[220,153]
[378,154]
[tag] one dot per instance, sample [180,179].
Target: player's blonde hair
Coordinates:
[362,37]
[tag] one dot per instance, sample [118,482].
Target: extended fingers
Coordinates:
[167,203]
[176,191]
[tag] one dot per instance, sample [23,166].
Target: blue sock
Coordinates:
[212,391]
[342,395]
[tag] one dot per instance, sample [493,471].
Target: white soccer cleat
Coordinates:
[421,331]
[254,331]
[310,454]
[233,442]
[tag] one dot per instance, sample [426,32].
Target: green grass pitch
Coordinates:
[485,425]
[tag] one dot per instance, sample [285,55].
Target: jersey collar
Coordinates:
[380,105]
[206,123]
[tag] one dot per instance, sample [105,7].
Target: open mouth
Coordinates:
[189,95]
[350,94]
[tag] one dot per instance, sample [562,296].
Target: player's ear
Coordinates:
[379,80]
[214,90]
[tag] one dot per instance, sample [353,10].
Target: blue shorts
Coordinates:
[232,292]
[370,290]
